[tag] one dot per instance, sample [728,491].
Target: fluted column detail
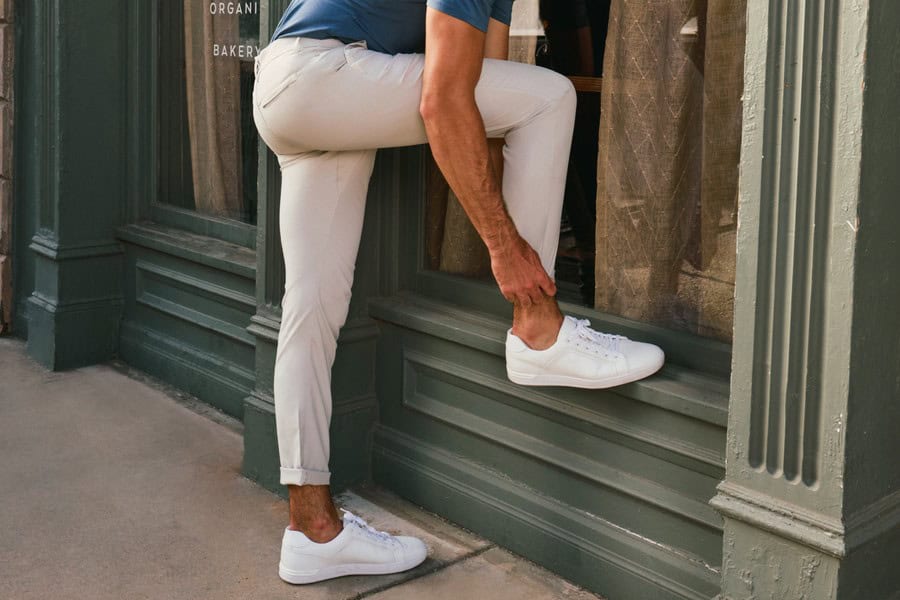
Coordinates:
[790,528]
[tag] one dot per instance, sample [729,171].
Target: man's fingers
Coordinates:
[524,299]
[546,286]
[549,287]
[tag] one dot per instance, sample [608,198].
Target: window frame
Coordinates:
[151,207]
[683,348]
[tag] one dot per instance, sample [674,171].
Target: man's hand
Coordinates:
[520,274]
[454,54]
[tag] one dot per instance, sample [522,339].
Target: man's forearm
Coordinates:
[454,56]
[461,150]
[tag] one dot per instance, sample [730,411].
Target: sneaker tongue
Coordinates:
[568,326]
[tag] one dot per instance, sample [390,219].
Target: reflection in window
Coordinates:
[207,140]
[649,217]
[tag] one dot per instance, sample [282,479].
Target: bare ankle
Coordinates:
[539,331]
[319,530]
[536,341]
[312,512]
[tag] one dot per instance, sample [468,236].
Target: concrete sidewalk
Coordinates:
[113,485]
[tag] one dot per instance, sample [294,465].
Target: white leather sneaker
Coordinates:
[358,549]
[581,357]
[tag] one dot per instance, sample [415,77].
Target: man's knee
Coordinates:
[561,90]
[310,307]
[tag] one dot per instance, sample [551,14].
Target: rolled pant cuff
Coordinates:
[304,477]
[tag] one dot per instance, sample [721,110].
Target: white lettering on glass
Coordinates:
[234,8]
[235,50]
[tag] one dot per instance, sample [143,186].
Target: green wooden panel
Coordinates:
[188,301]
[639,467]
[579,545]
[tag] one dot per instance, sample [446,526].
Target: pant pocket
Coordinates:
[267,96]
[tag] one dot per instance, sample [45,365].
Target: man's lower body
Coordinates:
[323,107]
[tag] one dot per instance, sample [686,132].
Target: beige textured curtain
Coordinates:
[452,243]
[668,165]
[213,105]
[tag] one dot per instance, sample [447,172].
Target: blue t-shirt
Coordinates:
[390,26]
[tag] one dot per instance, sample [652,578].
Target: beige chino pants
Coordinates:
[323,107]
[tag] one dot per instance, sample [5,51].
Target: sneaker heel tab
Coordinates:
[513,342]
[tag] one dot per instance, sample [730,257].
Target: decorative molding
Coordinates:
[220,383]
[201,362]
[197,285]
[806,527]
[642,436]
[692,394]
[603,475]
[194,317]
[196,248]
[872,521]
[46,244]
[473,489]
[358,330]
[264,402]
[261,401]
[197,288]
[55,306]
[787,520]
[786,391]
[264,326]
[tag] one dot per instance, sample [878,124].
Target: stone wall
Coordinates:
[7,47]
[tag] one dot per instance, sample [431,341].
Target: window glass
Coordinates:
[649,217]
[207,140]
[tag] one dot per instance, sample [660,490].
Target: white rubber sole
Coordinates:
[302,577]
[579,382]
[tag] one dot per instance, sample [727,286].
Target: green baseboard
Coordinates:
[68,337]
[581,547]
[208,376]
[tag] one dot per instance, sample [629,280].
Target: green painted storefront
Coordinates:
[766,468]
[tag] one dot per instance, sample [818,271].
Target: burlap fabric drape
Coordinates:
[668,165]
[213,108]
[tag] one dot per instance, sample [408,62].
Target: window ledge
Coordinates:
[698,395]
[194,247]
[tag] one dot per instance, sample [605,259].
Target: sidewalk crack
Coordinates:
[435,569]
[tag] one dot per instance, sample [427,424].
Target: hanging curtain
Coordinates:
[452,244]
[213,106]
[668,164]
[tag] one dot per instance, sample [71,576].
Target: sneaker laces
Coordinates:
[351,519]
[607,340]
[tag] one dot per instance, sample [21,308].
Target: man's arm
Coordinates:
[496,41]
[454,53]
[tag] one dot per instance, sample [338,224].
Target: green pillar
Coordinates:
[811,496]
[74,134]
